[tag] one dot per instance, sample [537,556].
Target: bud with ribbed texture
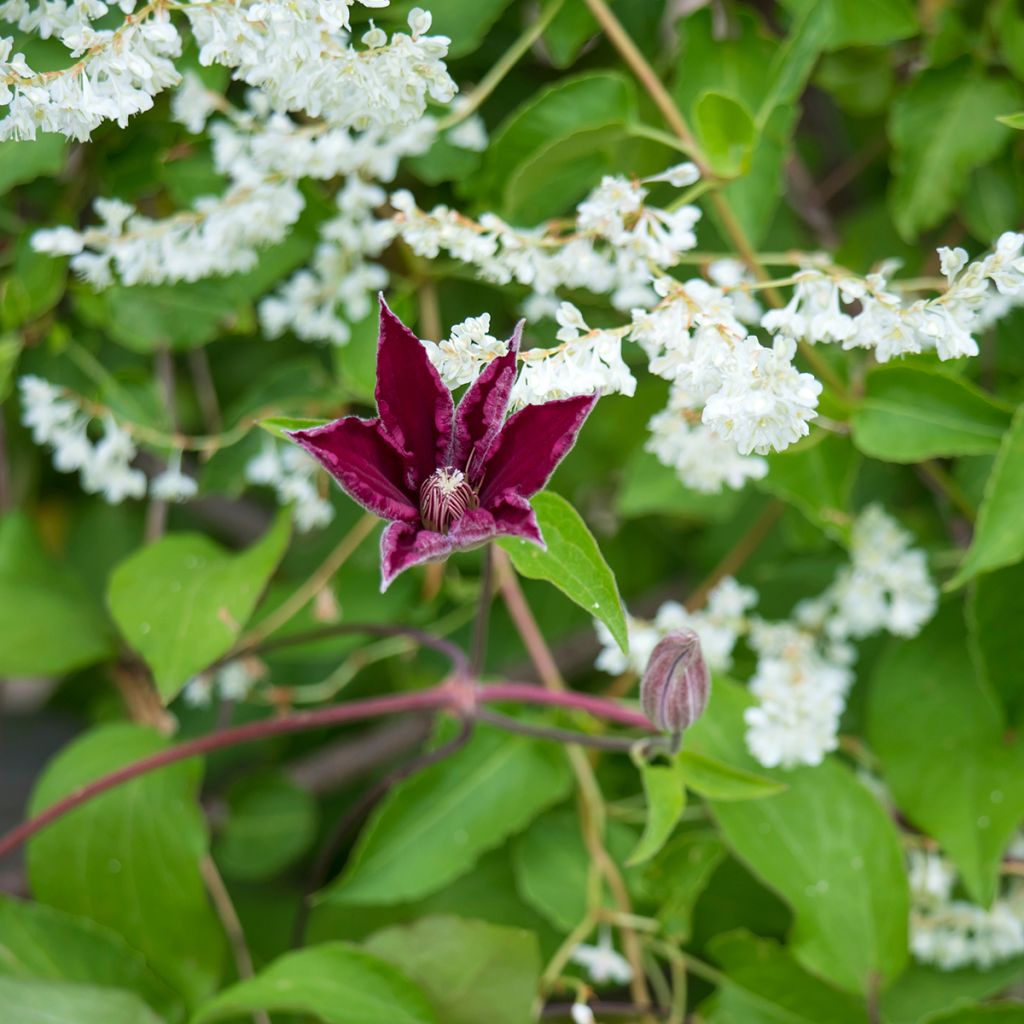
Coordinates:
[676,684]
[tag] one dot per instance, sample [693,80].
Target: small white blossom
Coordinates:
[173,484]
[602,962]
[291,473]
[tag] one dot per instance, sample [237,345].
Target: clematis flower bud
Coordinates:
[676,683]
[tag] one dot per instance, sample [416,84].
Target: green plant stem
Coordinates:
[949,487]
[505,63]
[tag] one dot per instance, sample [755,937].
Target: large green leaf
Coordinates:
[765,985]
[945,118]
[28,1001]
[825,845]
[910,414]
[999,536]
[434,826]
[38,941]
[334,982]
[182,602]
[993,618]
[940,737]
[129,859]
[471,971]
[862,22]
[572,562]
[22,161]
[49,622]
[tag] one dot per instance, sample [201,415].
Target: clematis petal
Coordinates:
[514,517]
[481,413]
[404,545]
[414,405]
[531,445]
[366,462]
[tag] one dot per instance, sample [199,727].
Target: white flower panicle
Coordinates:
[805,665]
[104,466]
[292,475]
[470,346]
[953,933]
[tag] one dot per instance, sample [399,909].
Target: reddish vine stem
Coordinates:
[458,695]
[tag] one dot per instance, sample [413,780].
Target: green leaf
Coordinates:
[1002,1013]
[471,971]
[182,601]
[666,798]
[922,991]
[717,780]
[679,874]
[22,161]
[649,488]
[816,476]
[271,823]
[909,414]
[571,105]
[336,983]
[993,618]
[765,985]
[28,1001]
[129,859]
[939,735]
[945,118]
[10,349]
[726,132]
[37,941]
[35,286]
[465,24]
[862,22]
[572,562]
[277,426]
[433,827]
[825,845]
[49,622]
[999,534]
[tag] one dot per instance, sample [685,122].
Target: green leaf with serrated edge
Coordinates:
[679,873]
[940,736]
[717,780]
[271,822]
[471,971]
[909,414]
[666,797]
[825,845]
[279,426]
[922,991]
[334,982]
[29,1001]
[183,601]
[765,985]
[129,859]
[434,826]
[726,131]
[999,534]
[993,618]
[38,941]
[49,622]
[572,562]
[945,118]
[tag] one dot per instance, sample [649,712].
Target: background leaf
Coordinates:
[28,1001]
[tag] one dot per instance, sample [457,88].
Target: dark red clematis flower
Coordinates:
[448,478]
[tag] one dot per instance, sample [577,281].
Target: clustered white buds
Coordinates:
[954,933]
[805,665]
[292,474]
[233,681]
[104,466]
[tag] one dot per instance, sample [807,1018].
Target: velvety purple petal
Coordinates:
[481,413]
[414,405]
[472,529]
[367,464]
[403,545]
[531,445]
[514,517]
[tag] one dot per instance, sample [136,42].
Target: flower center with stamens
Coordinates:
[445,496]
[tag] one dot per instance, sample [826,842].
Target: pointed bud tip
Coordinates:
[676,684]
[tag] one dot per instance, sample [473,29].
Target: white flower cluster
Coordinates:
[602,962]
[953,933]
[292,475]
[231,682]
[804,666]
[104,466]
[976,294]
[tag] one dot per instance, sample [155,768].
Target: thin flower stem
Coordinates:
[737,556]
[561,955]
[458,695]
[545,732]
[298,600]
[505,63]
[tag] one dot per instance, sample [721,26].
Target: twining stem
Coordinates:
[299,598]
[547,732]
[458,695]
[738,554]
[592,810]
[505,63]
